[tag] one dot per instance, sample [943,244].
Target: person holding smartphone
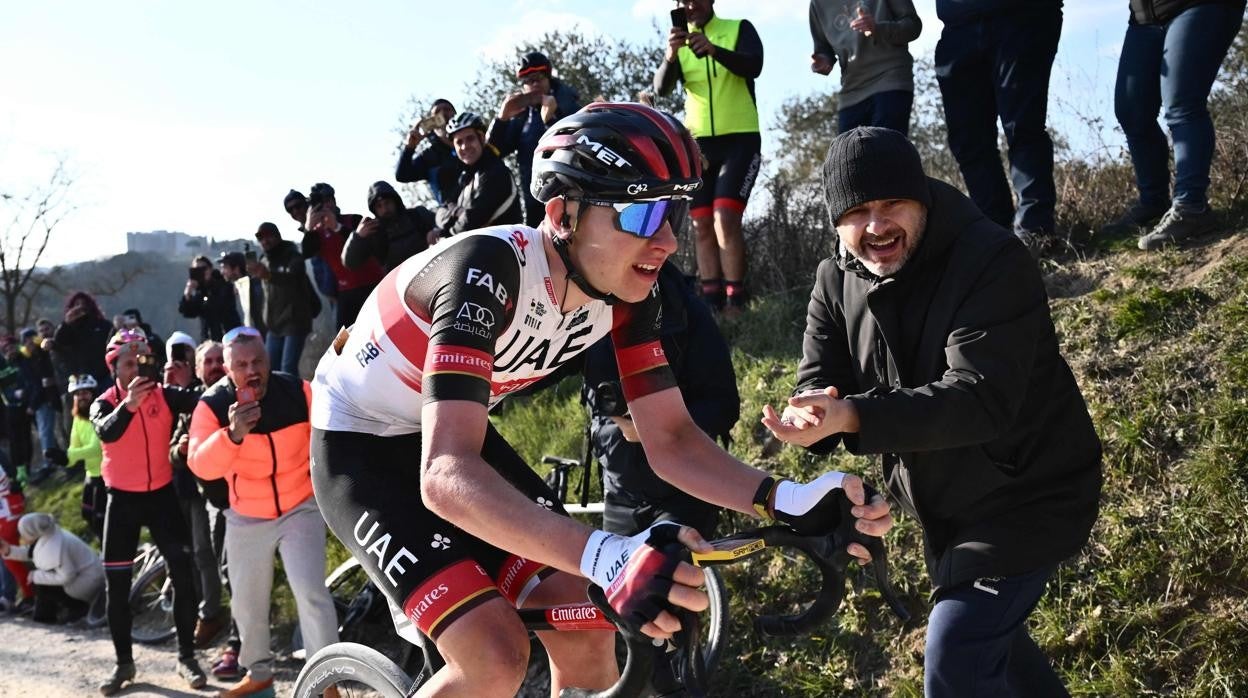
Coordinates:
[209,297]
[428,155]
[717,61]
[134,419]
[523,117]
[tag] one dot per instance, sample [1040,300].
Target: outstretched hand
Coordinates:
[811,416]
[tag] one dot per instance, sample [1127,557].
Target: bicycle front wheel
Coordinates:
[151,606]
[357,671]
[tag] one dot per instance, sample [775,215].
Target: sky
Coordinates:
[199,117]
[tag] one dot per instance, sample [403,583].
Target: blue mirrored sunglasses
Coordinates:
[644,218]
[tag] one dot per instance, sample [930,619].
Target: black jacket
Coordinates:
[186,483]
[82,345]
[398,238]
[290,301]
[700,360]
[956,12]
[433,161]
[488,197]
[215,306]
[1162,11]
[954,368]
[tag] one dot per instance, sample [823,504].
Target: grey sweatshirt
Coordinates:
[869,65]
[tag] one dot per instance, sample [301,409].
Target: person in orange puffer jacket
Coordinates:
[253,430]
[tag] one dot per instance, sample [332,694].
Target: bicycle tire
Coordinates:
[97,612]
[355,669]
[715,638]
[151,607]
[368,624]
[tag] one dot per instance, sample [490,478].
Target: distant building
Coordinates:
[167,244]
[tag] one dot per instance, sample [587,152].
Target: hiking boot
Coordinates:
[1138,215]
[1176,226]
[227,666]
[207,629]
[121,674]
[249,687]
[189,670]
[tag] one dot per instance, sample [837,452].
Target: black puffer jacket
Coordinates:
[215,306]
[954,368]
[1162,11]
[290,300]
[399,237]
[489,197]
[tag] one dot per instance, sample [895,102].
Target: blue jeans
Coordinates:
[46,416]
[1173,65]
[285,351]
[890,109]
[999,67]
[977,641]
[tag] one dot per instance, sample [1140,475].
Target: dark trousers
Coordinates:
[1173,65]
[978,645]
[999,67]
[889,109]
[21,445]
[349,304]
[126,514]
[49,600]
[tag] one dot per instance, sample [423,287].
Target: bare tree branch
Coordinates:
[32,219]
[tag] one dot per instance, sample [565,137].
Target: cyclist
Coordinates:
[488,193]
[134,419]
[455,329]
[718,60]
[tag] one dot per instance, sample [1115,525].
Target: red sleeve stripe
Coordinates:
[451,358]
[399,327]
[640,358]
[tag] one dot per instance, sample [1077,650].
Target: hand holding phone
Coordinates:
[245,394]
[149,367]
[680,18]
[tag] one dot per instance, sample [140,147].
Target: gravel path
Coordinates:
[40,661]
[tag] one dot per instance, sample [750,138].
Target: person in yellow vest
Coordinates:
[717,60]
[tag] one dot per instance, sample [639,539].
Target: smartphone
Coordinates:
[431,122]
[680,18]
[193,274]
[149,367]
[245,394]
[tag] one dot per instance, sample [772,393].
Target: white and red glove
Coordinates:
[635,572]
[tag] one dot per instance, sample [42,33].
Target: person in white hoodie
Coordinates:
[67,572]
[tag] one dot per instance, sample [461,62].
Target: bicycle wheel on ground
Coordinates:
[364,617]
[151,606]
[356,670]
[97,612]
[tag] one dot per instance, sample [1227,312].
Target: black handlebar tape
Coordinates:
[822,552]
[637,668]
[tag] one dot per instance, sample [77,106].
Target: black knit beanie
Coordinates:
[870,163]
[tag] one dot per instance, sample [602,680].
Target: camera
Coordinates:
[609,400]
[149,367]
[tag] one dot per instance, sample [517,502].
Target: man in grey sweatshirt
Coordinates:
[869,39]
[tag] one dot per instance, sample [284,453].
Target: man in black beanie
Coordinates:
[929,341]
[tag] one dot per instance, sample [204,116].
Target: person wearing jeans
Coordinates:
[291,301]
[993,61]
[1170,57]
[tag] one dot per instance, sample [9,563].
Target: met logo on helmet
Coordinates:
[603,153]
[686,187]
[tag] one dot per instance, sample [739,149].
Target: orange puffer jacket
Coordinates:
[268,472]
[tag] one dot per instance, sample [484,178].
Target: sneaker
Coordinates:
[1177,226]
[189,670]
[1138,215]
[25,607]
[227,666]
[207,629]
[121,674]
[249,687]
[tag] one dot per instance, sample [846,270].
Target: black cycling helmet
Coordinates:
[463,120]
[617,151]
[533,62]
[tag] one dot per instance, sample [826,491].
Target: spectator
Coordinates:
[394,235]
[47,331]
[870,43]
[488,195]
[82,337]
[210,298]
[248,291]
[297,207]
[45,398]
[85,452]
[12,506]
[326,234]
[253,430]
[134,419]
[523,118]
[292,302]
[18,386]
[180,371]
[428,155]
[993,60]
[1170,57]
[928,340]
[635,497]
[132,319]
[718,60]
[67,572]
